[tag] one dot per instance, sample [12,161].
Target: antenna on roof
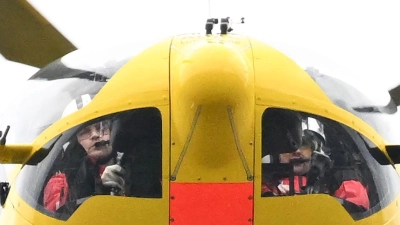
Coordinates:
[210,21]
[226,24]
[210,25]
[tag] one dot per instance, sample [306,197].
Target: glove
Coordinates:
[311,189]
[284,189]
[320,164]
[112,177]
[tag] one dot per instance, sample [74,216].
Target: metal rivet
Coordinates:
[251,143]
[172,220]
[172,197]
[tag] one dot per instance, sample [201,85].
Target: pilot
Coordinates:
[309,165]
[301,161]
[93,171]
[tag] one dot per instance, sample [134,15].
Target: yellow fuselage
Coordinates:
[211,92]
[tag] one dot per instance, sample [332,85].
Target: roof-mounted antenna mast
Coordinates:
[210,21]
[210,24]
[226,24]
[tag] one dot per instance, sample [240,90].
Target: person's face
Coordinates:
[303,153]
[92,134]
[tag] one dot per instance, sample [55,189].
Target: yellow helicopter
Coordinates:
[200,124]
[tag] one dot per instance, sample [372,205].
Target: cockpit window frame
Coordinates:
[387,189]
[58,142]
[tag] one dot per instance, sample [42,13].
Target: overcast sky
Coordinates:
[352,38]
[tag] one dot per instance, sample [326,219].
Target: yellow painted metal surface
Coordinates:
[212,109]
[15,153]
[96,210]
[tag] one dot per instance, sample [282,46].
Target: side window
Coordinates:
[308,154]
[118,154]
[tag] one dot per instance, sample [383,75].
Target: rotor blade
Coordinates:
[27,37]
[395,94]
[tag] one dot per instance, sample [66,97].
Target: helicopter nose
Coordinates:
[213,73]
[212,106]
[212,131]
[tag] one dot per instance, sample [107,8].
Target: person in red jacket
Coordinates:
[120,155]
[97,172]
[310,160]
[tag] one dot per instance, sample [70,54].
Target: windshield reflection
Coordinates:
[42,99]
[381,113]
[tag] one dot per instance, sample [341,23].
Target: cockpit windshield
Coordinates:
[381,114]
[330,159]
[81,162]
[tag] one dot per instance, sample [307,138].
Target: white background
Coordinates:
[353,39]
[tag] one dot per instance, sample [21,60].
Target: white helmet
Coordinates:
[313,134]
[311,124]
[77,104]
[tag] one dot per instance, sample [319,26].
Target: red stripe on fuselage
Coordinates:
[211,203]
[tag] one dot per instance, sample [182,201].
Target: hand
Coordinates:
[113,177]
[321,162]
[311,189]
[284,189]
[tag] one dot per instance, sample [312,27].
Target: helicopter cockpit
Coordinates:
[247,143]
[332,158]
[133,135]
[63,180]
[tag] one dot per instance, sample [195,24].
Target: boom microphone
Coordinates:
[102,143]
[299,161]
